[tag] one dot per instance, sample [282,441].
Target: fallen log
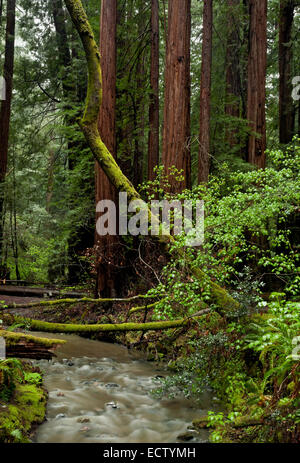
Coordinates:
[36,292]
[26,346]
[38,325]
[89,126]
[73,301]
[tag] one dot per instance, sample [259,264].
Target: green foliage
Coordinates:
[33,378]
[277,341]
[11,372]
[250,238]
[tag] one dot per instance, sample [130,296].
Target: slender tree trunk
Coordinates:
[286,107]
[205,92]
[153,142]
[139,106]
[106,246]
[81,236]
[62,44]
[233,74]
[5,110]
[50,182]
[256,91]
[176,133]
[1,11]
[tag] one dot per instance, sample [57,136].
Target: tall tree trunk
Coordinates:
[256,87]
[138,100]
[233,74]
[205,92]
[176,132]
[81,236]
[153,142]
[286,107]
[106,245]
[5,110]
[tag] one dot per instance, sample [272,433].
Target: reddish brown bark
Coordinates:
[153,143]
[256,88]
[5,110]
[138,104]
[176,132]
[106,245]
[286,107]
[205,91]
[233,77]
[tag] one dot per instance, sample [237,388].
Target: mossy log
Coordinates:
[84,300]
[89,127]
[38,325]
[142,308]
[26,346]
[36,292]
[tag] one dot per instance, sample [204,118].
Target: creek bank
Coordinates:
[23,401]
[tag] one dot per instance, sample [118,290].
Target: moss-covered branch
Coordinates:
[142,308]
[89,126]
[84,300]
[38,325]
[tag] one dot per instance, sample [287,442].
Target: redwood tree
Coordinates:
[233,72]
[176,132]
[5,110]
[205,92]
[256,86]
[153,143]
[106,245]
[286,107]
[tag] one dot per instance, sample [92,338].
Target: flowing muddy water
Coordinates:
[99,393]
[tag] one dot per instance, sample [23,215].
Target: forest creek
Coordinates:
[149,222]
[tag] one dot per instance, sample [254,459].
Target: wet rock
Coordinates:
[70,363]
[85,429]
[59,416]
[112,405]
[187,436]
[111,385]
[83,420]
[60,394]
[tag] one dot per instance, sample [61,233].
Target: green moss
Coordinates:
[27,408]
[39,325]
[13,339]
